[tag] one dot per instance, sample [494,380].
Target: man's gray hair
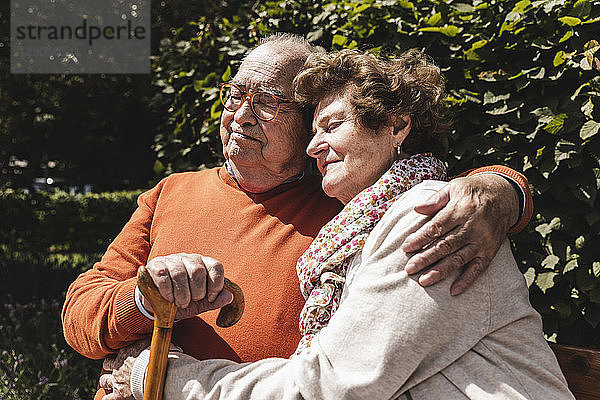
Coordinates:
[294,45]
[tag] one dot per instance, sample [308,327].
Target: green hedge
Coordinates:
[524,88]
[48,223]
[46,240]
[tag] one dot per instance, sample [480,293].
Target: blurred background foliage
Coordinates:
[524,88]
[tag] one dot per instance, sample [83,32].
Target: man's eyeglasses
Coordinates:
[265,106]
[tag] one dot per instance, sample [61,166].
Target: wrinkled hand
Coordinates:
[191,281]
[473,217]
[116,384]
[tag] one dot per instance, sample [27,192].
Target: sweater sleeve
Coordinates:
[519,180]
[388,334]
[100,315]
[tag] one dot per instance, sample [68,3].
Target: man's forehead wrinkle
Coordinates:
[263,75]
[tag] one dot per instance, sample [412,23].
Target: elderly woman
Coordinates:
[370,331]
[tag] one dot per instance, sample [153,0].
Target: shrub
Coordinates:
[524,88]
[35,361]
[58,223]
[46,241]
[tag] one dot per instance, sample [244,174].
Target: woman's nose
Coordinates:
[316,146]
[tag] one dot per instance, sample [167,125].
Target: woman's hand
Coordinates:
[473,217]
[191,281]
[116,384]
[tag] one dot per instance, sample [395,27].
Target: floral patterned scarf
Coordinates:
[322,268]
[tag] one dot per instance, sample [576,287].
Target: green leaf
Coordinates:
[215,111]
[585,63]
[471,54]
[556,125]
[434,19]
[512,19]
[352,45]
[545,281]
[543,229]
[197,85]
[566,36]
[227,74]
[158,167]
[521,6]
[582,8]
[529,276]
[588,108]
[544,114]
[589,129]
[550,261]
[361,7]
[591,45]
[571,21]
[591,21]
[559,58]
[406,4]
[463,7]
[570,266]
[490,98]
[580,242]
[555,224]
[540,152]
[339,40]
[596,269]
[449,30]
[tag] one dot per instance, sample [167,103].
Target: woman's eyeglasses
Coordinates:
[265,106]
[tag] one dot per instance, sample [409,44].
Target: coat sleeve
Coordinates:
[388,334]
[99,315]
[518,179]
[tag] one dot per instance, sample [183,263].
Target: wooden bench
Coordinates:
[582,370]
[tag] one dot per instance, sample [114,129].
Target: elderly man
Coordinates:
[252,219]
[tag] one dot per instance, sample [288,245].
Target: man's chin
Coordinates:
[240,157]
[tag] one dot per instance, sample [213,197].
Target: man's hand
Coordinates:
[116,384]
[191,281]
[473,217]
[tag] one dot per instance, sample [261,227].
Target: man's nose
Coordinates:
[244,114]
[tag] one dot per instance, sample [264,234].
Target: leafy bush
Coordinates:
[524,87]
[58,223]
[46,241]
[35,361]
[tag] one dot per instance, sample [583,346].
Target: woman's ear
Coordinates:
[402,126]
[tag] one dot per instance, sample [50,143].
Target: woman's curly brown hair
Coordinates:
[381,88]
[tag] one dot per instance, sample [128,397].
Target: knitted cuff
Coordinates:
[520,180]
[127,313]
[137,380]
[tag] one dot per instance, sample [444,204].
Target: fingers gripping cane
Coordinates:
[164,316]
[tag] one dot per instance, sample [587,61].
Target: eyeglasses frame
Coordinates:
[247,96]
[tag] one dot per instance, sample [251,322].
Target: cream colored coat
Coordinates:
[392,338]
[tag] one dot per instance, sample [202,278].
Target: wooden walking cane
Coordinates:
[164,317]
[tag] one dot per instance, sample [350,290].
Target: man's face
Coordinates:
[276,146]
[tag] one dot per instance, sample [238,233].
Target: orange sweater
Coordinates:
[257,237]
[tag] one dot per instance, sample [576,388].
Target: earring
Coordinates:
[398,150]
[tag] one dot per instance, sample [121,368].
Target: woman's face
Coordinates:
[349,156]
